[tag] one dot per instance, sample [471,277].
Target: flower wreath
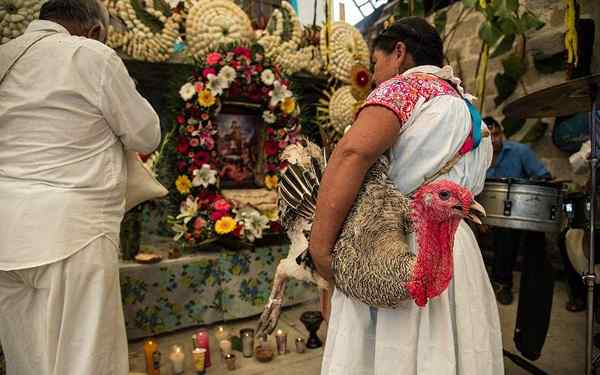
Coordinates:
[238,73]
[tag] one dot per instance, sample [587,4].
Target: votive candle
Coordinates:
[152,357]
[177,358]
[300,345]
[202,341]
[281,339]
[247,336]
[199,355]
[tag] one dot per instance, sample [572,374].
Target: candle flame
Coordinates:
[279,332]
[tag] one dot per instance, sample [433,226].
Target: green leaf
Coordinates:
[440,20]
[470,3]
[489,33]
[511,5]
[505,85]
[529,21]
[505,45]
[508,25]
[514,66]
[549,65]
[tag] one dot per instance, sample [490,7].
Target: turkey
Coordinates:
[371,260]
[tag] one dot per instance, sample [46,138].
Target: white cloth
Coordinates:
[65,318]
[68,108]
[457,333]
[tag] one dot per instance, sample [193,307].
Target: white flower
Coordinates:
[173,3]
[254,223]
[179,229]
[188,209]
[279,93]
[228,74]
[216,84]
[187,91]
[269,117]
[267,77]
[204,176]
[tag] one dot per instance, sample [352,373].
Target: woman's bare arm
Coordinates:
[374,132]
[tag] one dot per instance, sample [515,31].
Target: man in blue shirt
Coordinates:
[516,160]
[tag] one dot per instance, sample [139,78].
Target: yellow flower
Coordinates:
[288,105]
[206,98]
[225,225]
[183,184]
[271,182]
[272,215]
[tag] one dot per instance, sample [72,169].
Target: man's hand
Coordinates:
[323,264]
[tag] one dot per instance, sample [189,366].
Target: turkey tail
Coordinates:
[298,189]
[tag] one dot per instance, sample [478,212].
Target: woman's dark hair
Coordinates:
[421,39]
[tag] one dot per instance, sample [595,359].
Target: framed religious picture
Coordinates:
[239,145]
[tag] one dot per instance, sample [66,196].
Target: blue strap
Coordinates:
[475,124]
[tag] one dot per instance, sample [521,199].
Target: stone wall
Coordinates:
[463,54]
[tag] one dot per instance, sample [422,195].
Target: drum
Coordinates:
[577,209]
[522,204]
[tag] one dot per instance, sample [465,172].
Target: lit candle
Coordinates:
[202,341]
[177,358]
[221,334]
[247,341]
[281,338]
[199,355]
[230,361]
[152,357]
[300,345]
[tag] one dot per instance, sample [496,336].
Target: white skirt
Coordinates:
[457,333]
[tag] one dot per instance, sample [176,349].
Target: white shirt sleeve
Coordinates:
[129,115]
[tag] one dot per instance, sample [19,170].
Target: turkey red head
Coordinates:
[437,210]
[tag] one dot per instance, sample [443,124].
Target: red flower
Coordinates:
[282,165]
[235,64]
[238,231]
[208,71]
[201,158]
[275,226]
[270,131]
[216,215]
[183,146]
[242,51]
[181,166]
[213,58]
[271,148]
[181,119]
[258,68]
[222,205]
[271,168]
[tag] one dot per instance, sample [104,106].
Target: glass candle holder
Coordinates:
[199,356]
[300,345]
[152,357]
[230,361]
[281,339]
[202,341]
[247,336]
[176,357]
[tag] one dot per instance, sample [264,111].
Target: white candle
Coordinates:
[281,340]
[177,358]
[225,346]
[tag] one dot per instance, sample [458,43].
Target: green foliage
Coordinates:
[550,65]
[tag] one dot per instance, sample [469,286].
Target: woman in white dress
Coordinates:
[419,114]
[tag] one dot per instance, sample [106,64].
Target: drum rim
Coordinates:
[522,181]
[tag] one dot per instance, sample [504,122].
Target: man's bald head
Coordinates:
[88,18]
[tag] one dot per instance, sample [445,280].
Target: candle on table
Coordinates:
[177,358]
[230,361]
[202,341]
[199,356]
[247,341]
[221,334]
[281,339]
[300,345]
[152,357]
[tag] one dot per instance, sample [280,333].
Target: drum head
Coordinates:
[523,181]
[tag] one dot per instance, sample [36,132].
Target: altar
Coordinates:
[216,285]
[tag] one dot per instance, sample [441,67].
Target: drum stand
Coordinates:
[590,278]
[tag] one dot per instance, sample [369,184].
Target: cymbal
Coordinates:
[561,100]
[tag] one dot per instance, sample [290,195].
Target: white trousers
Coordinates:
[65,318]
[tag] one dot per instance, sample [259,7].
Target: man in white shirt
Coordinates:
[68,110]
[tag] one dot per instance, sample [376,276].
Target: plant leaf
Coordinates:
[514,67]
[470,3]
[489,33]
[505,85]
[505,45]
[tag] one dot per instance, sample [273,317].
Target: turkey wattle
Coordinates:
[371,260]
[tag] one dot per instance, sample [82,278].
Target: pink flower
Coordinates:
[271,148]
[207,141]
[204,116]
[270,131]
[208,71]
[258,57]
[181,164]
[242,51]
[182,146]
[198,86]
[216,215]
[180,119]
[213,58]
[199,223]
[235,64]
[190,128]
[201,158]
[222,205]
[282,144]
[194,142]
